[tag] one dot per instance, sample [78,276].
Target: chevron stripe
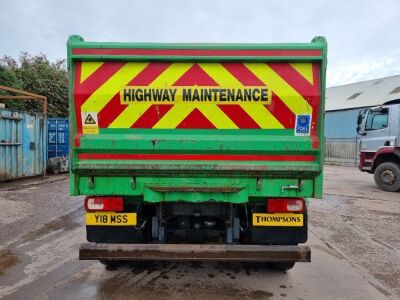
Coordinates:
[114,107]
[82,91]
[262,116]
[216,116]
[296,102]
[277,108]
[220,74]
[106,92]
[305,69]
[129,115]
[133,112]
[172,74]
[175,116]
[258,112]
[178,112]
[88,68]
[211,111]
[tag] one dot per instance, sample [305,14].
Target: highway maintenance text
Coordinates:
[216,94]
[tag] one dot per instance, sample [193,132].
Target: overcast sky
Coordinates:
[363,36]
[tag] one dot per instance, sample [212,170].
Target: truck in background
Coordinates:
[379,130]
[197,151]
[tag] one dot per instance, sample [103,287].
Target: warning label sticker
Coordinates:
[90,123]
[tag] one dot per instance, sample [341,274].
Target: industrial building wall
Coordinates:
[341,140]
[341,124]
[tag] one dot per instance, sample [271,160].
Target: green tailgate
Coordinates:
[197,122]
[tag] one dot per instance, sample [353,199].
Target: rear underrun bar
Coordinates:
[193,252]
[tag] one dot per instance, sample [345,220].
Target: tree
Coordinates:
[38,75]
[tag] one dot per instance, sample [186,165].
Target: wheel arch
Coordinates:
[389,154]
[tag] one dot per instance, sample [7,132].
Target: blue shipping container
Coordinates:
[57,137]
[22,144]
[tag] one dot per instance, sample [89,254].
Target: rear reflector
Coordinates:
[104,203]
[280,205]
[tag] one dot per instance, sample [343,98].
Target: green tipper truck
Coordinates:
[197,151]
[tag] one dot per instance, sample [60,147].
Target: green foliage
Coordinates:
[37,75]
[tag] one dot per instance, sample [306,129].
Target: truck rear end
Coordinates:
[196,151]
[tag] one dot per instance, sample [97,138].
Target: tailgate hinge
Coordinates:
[91,182]
[133,183]
[259,184]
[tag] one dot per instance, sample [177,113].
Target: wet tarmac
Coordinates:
[354,236]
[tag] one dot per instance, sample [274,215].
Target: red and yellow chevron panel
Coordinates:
[179,95]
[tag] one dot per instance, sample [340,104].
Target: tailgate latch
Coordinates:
[291,187]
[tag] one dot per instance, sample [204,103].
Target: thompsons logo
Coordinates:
[190,94]
[278,219]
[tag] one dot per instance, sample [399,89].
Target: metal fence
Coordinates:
[342,152]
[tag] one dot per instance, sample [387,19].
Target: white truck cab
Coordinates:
[379,130]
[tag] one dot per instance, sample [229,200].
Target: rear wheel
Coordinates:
[281,266]
[110,265]
[387,176]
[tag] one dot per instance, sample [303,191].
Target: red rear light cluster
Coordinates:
[104,203]
[282,205]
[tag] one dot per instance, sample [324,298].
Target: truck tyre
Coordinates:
[111,265]
[387,176]
[281,266]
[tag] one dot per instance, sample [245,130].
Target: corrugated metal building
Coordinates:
[344,102]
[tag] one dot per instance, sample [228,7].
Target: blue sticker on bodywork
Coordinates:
[303,124]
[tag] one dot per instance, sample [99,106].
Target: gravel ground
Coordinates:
[354,236]
[26,205]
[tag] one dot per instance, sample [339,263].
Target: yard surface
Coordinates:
[354,233]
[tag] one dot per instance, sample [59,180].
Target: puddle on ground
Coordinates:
[161,280]
[7,260]
[179,291]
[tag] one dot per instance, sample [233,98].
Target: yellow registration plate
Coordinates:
[278,219]
[110,219]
